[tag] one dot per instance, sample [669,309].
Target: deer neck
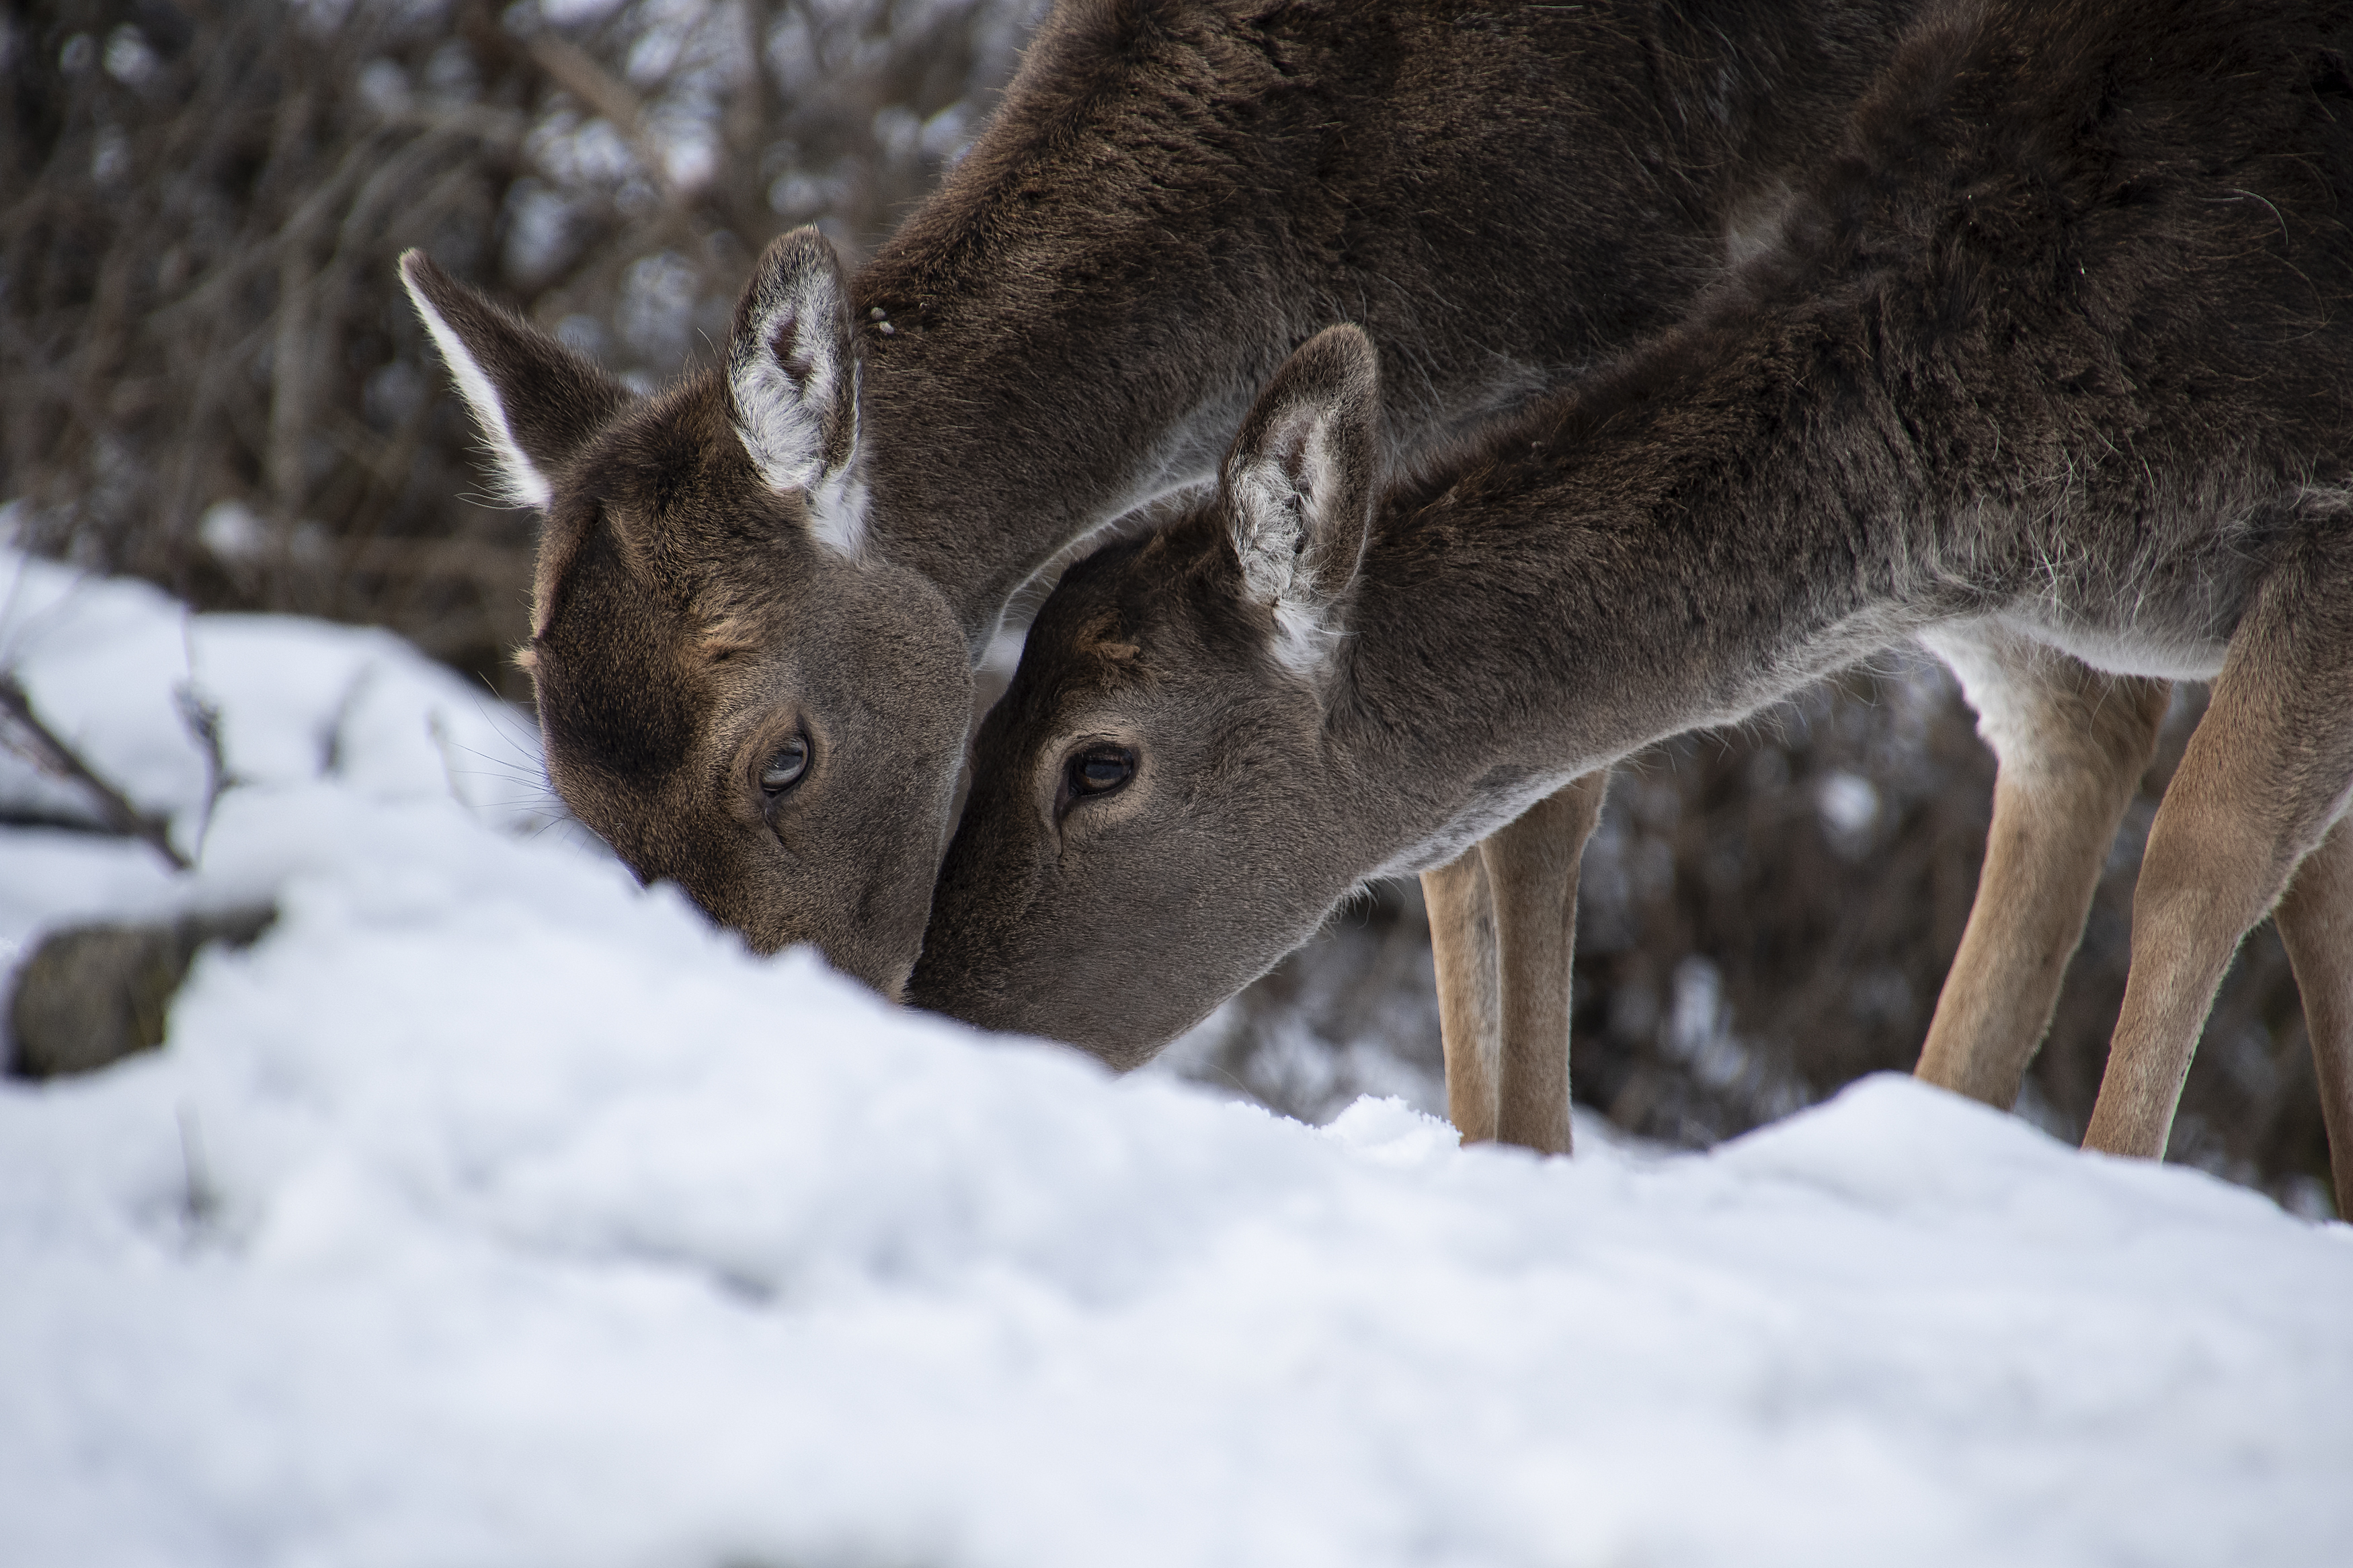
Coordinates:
[1173,197]
[1677,545]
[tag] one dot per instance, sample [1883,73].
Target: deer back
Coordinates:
[2054,336]
[758,594]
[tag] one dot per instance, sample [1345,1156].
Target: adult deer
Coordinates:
[758,593]
[2050,366]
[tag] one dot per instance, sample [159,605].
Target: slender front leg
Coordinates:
[2316,923]
[2072,744]
[1470,1016]
[2263,778]
[1532,876]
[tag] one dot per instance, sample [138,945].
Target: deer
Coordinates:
[2047,365]
[760,593]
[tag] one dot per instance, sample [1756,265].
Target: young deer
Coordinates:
[2050,365]
[758,594]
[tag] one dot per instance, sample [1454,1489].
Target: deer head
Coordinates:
[1169,721]
[735,689]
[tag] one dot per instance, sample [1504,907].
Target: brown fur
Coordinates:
[1176,194]
[668,668]
[1173,195]
[2072,744]
[1502,936]
[2052,347]
[2315,922]
[1463,950]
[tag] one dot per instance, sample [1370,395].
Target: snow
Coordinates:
[491,1209]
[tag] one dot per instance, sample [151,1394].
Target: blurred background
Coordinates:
[212,382]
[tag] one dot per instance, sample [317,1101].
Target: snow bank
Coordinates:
[493,1210]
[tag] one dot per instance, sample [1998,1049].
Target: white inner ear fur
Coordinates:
[836,501]
[787,404]
[1282,499]
[518,482]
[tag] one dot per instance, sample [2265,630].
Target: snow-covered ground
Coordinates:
[492,1210]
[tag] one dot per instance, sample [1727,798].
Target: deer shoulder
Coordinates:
[2044,365]
[759,593]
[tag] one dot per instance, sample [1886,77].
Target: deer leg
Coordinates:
[2315,924]
[2071,744]
[1532,875]
[2263,778]
[1463,946]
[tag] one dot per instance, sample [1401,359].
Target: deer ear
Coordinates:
[792,380]
[1299,487]
[536,401]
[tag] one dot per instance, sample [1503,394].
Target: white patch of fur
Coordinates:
[1270,511]
[837,508]
[836,501]
[1475,819]
[519,481]
[2126,651]
[1753,227]
[781,419]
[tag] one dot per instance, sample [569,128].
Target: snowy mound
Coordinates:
[492,1210]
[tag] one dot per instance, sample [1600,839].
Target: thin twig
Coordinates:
[24,734]
[572,68]
[202,719]
[200,1202]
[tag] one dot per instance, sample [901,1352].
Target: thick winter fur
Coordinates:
[487,348]
[1174,195]
[2048,359]
[691,617]
[1503,929]
[792,382]
[1302,481]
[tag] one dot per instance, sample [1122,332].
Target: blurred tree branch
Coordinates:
[23,732]
[214,381]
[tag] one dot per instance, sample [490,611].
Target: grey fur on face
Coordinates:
[809,548]
[2048,350]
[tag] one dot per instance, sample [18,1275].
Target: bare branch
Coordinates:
[202,719]
[23,732]
[572,67]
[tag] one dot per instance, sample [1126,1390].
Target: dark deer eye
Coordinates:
[1101,770]
[785,766]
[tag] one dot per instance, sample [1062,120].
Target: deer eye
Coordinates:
[1099,770]
[785,766]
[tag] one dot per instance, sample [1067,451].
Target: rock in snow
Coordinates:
[492,1210]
